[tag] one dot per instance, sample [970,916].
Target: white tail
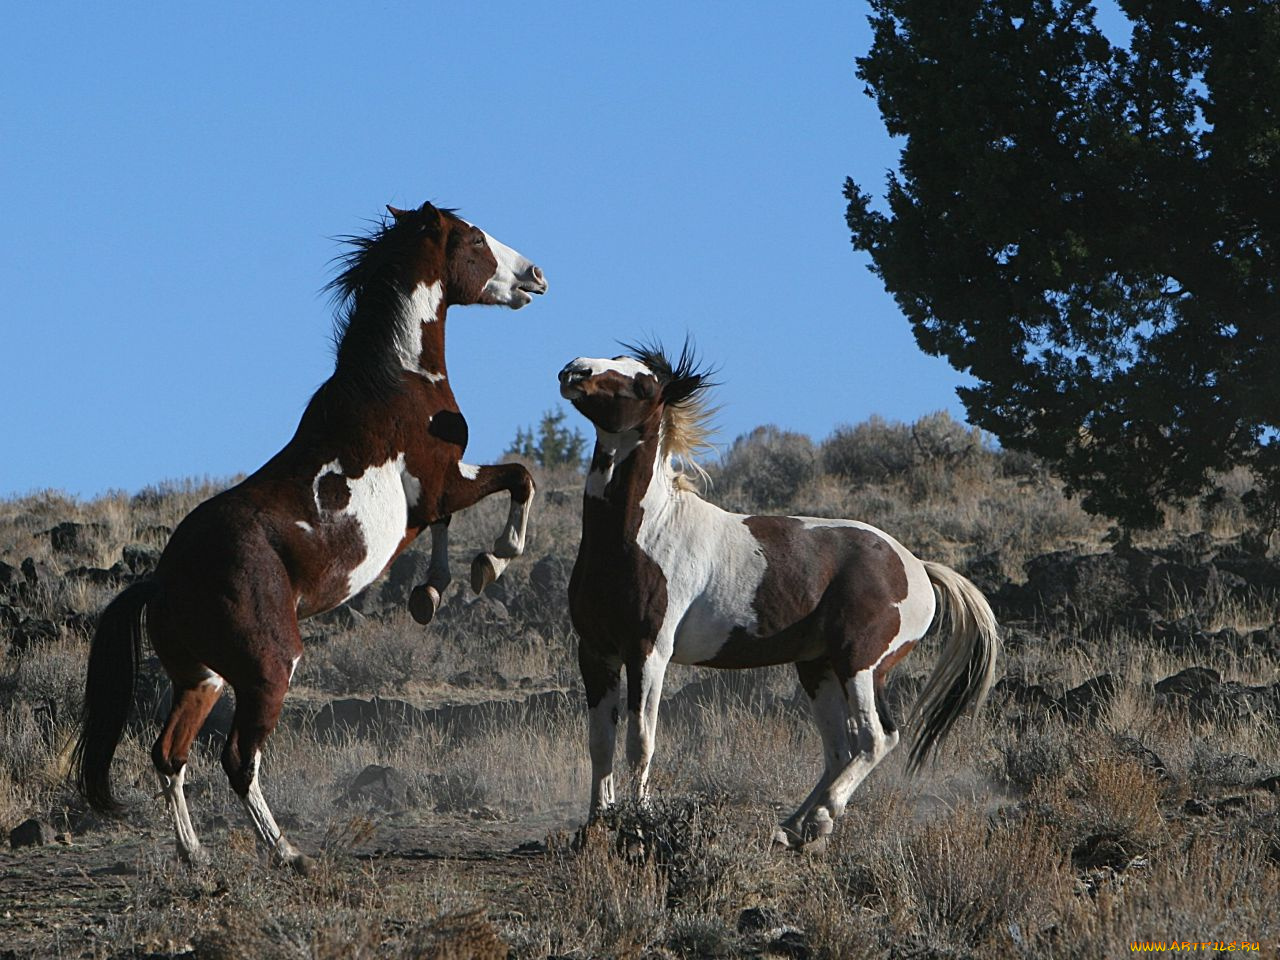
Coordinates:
[966,668]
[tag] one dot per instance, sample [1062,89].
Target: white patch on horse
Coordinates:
[469,471]
[433,377]
[412,488]
[256,806]
[379,506]
[211,679]
[304,526]
[333,466]
[594,366]
[378,500]
[294,666]
[712,563]
[618,446]
[504,286]
[917,609]
[421,306]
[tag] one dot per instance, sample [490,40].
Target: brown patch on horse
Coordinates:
[333,492]
[617,593]
[851,575]
[471,264]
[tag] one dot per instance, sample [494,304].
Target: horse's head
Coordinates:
[627,391]
[472,266]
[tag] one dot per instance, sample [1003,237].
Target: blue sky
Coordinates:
[172,178]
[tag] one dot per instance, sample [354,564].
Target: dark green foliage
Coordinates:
[1092,231]
[553,446]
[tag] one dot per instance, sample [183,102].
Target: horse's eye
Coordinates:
[478,240]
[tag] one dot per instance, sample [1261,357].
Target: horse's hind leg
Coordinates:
[191,705]
[258,706]
[873,744]
[831,716]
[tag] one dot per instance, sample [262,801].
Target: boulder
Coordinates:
[37,574]
[139,559]
[408,571]
[382,787]
[365,718]
[29,833]
[1203,692]
[1090,698]
[76,538]
[10,577]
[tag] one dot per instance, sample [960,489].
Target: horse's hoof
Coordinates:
[424,601]
[196,859]
[485,570]
[816,845]
[783,840]
[303,865]
[818,827]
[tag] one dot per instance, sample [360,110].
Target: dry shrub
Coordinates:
[1208,889]
[375,657]
[605,903]
[671,873]
[1107,810]
[1035,753]
[769,466]
[455,936]
[963,881]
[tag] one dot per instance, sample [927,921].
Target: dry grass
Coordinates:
[1041,831]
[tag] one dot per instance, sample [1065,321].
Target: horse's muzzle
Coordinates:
[574,374]
[534,280]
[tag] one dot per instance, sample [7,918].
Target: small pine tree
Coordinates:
[554,445]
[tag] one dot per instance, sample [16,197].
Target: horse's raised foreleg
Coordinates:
[601,678]
[468,486]
[644,693]
[191,705]
[424,599]
[831,716]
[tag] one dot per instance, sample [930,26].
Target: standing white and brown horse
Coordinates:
[376,459]
[662,575]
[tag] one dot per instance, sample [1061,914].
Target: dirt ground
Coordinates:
[67,899]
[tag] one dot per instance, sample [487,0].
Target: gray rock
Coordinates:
[1090,698]
[29,833]
[382,787]
[141,560]
[77,538]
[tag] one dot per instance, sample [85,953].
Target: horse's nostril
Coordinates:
[537,274]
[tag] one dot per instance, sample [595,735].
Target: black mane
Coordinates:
[366,293]
[680,383]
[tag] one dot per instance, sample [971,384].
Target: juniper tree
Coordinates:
[1092,230]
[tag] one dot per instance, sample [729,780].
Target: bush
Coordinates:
[879,449]
[770,465]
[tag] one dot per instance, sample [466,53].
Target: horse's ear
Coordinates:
[396,211]
[430,216]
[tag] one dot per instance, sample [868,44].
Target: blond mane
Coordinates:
[686,435]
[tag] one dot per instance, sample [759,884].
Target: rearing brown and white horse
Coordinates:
[376,459]
[662,575]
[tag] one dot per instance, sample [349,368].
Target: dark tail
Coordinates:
[114,654]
